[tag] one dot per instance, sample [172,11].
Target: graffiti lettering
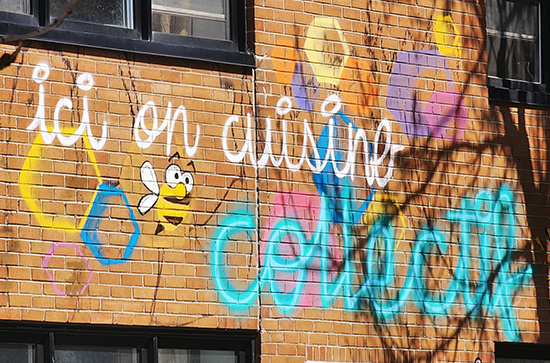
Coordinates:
[156,130]
[85,82]
[492,218]
[372,161]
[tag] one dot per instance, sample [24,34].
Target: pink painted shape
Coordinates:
[446,112]
[306,209]
[49,255]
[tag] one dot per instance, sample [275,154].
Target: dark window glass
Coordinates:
[513,36]
[210,30]
[195,356]
[521,353]
[14,352]
[86,354]
[197,18]
[105,12]
[25,342]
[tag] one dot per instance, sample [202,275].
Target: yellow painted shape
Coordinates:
[30,183]
[447,36]
[323,38]
[91,155]
[385,204]
[169,211]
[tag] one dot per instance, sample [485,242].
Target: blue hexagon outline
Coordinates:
[89,231]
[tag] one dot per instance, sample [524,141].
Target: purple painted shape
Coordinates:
[418,118]
[49,255]
[304,87]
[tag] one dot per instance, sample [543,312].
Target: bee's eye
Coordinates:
[173,175]
[187,180]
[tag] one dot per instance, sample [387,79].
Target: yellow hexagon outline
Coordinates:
[25,186]
[313,47]
[441,35]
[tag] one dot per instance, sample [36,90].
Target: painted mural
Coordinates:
[150,216]
[309,250]
[318,248]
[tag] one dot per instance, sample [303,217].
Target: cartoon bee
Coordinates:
[172,198]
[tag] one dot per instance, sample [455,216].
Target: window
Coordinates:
[195,356]
[106,12]
[517,47]
[522,353]
[14,6]
[193,29]
[68,343]
[204,18]
[17,352]
[71,354]
[513,32]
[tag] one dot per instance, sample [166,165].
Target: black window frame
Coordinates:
[139,39]
[523,92]
[527,351]
[147,339]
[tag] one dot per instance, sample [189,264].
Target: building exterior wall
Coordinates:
[334,208]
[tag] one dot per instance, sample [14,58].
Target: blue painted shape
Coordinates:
[89,231]
[330,185]
[237,299]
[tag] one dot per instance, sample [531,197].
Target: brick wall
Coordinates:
[355,197]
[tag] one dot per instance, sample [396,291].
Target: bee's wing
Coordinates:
[149,178]
[147,202]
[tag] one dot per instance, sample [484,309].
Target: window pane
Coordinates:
[206,6]
[72,354]
[173,356]
[15,6]
[196,356]
[520,17]
[217,356]
[107,12]
[513,40]
[10,353]
[198,18]
[514,59]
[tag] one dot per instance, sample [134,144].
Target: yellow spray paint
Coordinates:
[30,181]
[384,204]
[447,36]
[326,50]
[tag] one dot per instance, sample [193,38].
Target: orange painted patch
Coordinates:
[359,91]
[284,60]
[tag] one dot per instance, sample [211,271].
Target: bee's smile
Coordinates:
[173,220]
[185,200]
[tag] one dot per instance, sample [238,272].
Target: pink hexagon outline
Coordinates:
[49,255]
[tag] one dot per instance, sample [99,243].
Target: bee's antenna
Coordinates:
[175,155]
[192,163]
